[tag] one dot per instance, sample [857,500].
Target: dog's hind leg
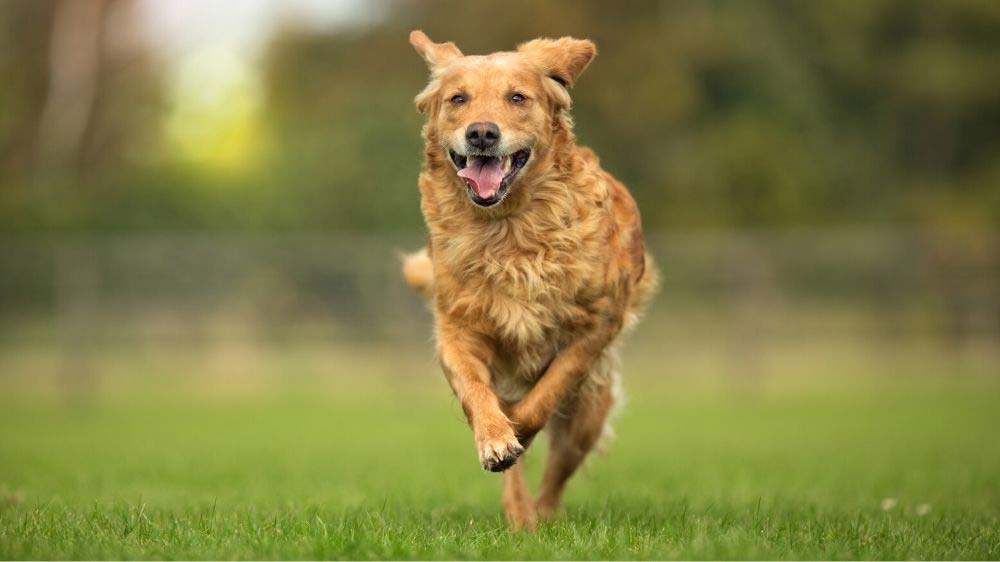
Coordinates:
[518,505]
[573,432]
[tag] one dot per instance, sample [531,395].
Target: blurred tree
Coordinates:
[74,71]
[81,105]
[770,113]
[23,65]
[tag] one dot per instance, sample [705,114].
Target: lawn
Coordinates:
[380,465]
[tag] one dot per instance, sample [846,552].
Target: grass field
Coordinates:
[378,465]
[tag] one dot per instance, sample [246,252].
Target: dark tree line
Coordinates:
[723,114]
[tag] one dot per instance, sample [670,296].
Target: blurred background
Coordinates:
[202,204]
[219,191]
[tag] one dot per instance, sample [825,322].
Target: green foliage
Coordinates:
[769,113]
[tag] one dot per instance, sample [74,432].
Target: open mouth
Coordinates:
[488,178]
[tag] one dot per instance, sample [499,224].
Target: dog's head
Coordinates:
[493,117]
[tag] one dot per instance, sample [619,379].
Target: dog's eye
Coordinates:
[517,98]
[457,99]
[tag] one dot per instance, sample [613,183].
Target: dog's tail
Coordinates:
[645,290]
[419,271]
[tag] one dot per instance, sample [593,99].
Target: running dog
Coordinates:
[535,263]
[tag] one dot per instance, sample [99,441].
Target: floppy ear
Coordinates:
[436,54]
[562,60]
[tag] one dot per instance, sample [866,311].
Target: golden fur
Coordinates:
[530,295]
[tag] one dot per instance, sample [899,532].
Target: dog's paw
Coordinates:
[497,455]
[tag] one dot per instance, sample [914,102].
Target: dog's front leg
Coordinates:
[465,359]
[563,376]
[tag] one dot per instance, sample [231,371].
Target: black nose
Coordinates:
[482,135]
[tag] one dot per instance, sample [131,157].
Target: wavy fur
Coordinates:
[531,295]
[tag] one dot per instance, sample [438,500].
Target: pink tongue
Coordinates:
[483,174]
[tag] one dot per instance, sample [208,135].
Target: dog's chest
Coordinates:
[529,297]
[530,310]
[525,288]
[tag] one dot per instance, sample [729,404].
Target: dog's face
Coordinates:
[493,117]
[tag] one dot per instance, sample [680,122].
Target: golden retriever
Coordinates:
[535,261]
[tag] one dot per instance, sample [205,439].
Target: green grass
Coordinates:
[383,467]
